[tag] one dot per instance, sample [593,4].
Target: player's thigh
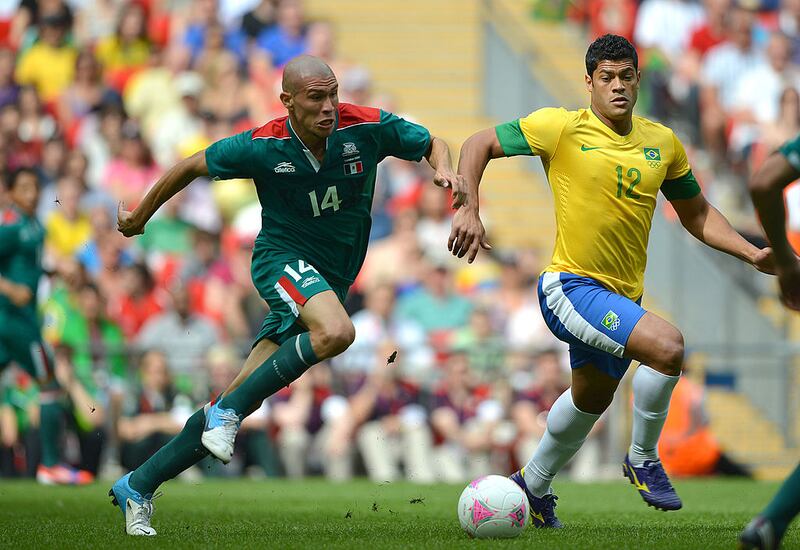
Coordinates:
[593,320]
[325,310]
[656,343]
[298,296]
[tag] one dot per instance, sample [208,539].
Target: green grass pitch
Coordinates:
[312,514]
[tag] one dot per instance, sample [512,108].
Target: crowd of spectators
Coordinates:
[101,98]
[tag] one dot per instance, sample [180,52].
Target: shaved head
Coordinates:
[300,70]
[311,96]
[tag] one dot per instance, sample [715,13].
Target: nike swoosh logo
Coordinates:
[584,148]
[537,516]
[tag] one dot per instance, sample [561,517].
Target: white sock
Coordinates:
[651,394]
[567,428]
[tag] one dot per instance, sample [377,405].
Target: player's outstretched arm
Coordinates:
[173,181]
[766,188]
[709,226]
[438,156]
[468,234]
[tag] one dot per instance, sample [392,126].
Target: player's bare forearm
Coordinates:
[709,226]
[476,153]
[766,189]
[438,155]
[172,182]
[468,235]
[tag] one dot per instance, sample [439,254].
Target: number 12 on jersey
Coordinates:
[330,200]
[636,177]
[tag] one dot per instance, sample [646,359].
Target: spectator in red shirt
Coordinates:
[712,32]
[140,301]
[612,17]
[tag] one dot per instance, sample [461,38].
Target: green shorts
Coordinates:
[21,342]
[285,282]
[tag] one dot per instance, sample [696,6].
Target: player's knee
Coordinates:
[335,337]
[671,354]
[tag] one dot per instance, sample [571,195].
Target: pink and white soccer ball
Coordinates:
[493,507]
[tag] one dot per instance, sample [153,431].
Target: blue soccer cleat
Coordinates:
[542,510]
[136,509]
[759,535]
[220,431]
[653,484]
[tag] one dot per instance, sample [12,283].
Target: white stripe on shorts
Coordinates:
[559,304]
[288,299]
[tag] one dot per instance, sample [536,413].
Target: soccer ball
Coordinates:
[493,507]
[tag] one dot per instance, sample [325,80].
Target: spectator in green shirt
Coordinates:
[434,305]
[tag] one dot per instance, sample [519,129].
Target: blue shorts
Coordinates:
[594,321]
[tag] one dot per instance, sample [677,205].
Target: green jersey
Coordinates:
[21,242]
[791,150]
[318,210]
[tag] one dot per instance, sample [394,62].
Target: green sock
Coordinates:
[785,505]
[280,369]
[184,451]
[50,417]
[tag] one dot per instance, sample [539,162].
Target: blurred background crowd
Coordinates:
[102,96]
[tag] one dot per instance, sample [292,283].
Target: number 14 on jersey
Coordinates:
[330,200]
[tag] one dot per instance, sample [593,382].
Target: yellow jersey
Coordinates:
[49,69]
[67,237]
[604,187]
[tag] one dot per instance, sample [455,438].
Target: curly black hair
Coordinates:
[610,47]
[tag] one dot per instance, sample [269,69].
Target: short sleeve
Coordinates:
[511,139]
[791,150]
[402,139]
[231,157]
[680,162]
[542,130]
[679,182]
